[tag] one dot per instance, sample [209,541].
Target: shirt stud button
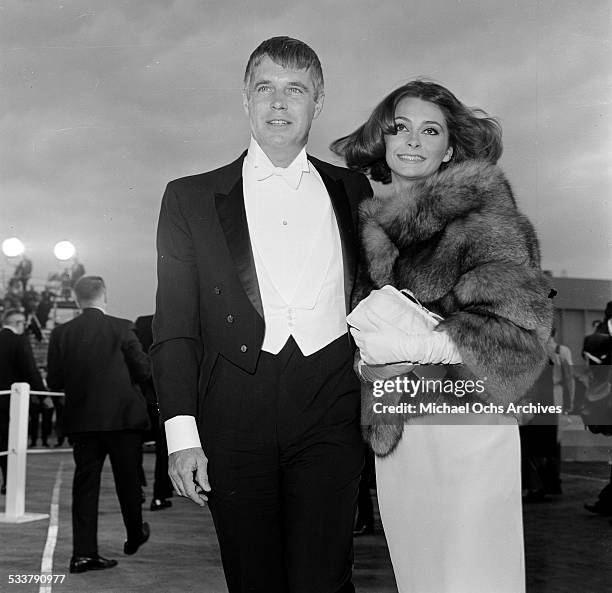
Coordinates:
[243,348]
[217,290]
[230,319]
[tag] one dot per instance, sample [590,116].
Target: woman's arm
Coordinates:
[502,318]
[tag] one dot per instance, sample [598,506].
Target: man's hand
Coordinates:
[188,470]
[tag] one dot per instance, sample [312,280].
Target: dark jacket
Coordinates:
[600,341]
[98,361]
[17,364]
[459,243]
[208,300]
[144,332]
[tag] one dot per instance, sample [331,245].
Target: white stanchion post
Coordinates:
[17,457]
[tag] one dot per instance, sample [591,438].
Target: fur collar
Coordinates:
[414,215]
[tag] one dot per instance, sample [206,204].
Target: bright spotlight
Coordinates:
[12,247]
[64,250]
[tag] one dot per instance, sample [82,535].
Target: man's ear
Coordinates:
[245,101]
[319,105]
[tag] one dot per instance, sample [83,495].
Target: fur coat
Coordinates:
[459,243]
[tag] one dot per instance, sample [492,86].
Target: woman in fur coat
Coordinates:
[449,231]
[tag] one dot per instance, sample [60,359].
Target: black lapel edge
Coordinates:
[232,217]
[344,218]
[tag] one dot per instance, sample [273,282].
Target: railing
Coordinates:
[17,454]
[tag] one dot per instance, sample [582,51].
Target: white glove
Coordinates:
[380,372]
[387,344]
[390,305]
[435,347]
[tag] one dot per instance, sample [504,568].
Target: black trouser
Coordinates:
[285,457]
[124,449]
[365,506]
[162,486]
[540,458]
[58,404]
[38,409]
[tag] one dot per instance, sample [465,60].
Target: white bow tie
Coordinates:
[292,174]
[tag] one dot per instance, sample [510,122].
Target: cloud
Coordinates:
[107,102]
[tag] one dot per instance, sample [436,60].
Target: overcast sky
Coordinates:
[104,102]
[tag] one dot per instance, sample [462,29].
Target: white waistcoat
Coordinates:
[316,313]
[298,254]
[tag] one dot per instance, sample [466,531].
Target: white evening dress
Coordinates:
[450,503]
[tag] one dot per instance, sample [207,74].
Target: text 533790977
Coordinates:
[43,579]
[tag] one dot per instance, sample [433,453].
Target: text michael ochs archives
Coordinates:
[457,387]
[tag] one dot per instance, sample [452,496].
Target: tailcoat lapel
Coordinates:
[232,217]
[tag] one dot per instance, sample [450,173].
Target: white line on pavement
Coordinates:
[46,566]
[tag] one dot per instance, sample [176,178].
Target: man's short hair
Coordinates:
[11,313]
[288,53]
[89,288]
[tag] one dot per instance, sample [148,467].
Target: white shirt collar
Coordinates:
[12,329]
[95,307]
[263,167]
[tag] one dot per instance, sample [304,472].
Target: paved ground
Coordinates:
[568,550]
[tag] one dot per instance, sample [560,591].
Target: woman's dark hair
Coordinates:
[472,134]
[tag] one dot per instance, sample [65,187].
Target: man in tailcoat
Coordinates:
[99,362]
[251,357]
[17,365]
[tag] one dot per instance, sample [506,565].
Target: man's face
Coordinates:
[281,105]
[17,322]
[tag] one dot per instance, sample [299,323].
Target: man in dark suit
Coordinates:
[251,356]
[17,365]
[98,361]
[162,487]
[598,351]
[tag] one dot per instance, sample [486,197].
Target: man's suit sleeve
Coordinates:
[176,349]
[29,370]
[135,357]
[55,377]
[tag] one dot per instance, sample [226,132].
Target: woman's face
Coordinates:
[420,144]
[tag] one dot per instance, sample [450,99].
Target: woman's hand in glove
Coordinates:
[388,344]
[380,372]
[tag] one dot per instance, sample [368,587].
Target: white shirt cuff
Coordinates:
[181,433]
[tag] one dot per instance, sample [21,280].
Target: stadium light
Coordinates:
[13,247]
[64,250]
